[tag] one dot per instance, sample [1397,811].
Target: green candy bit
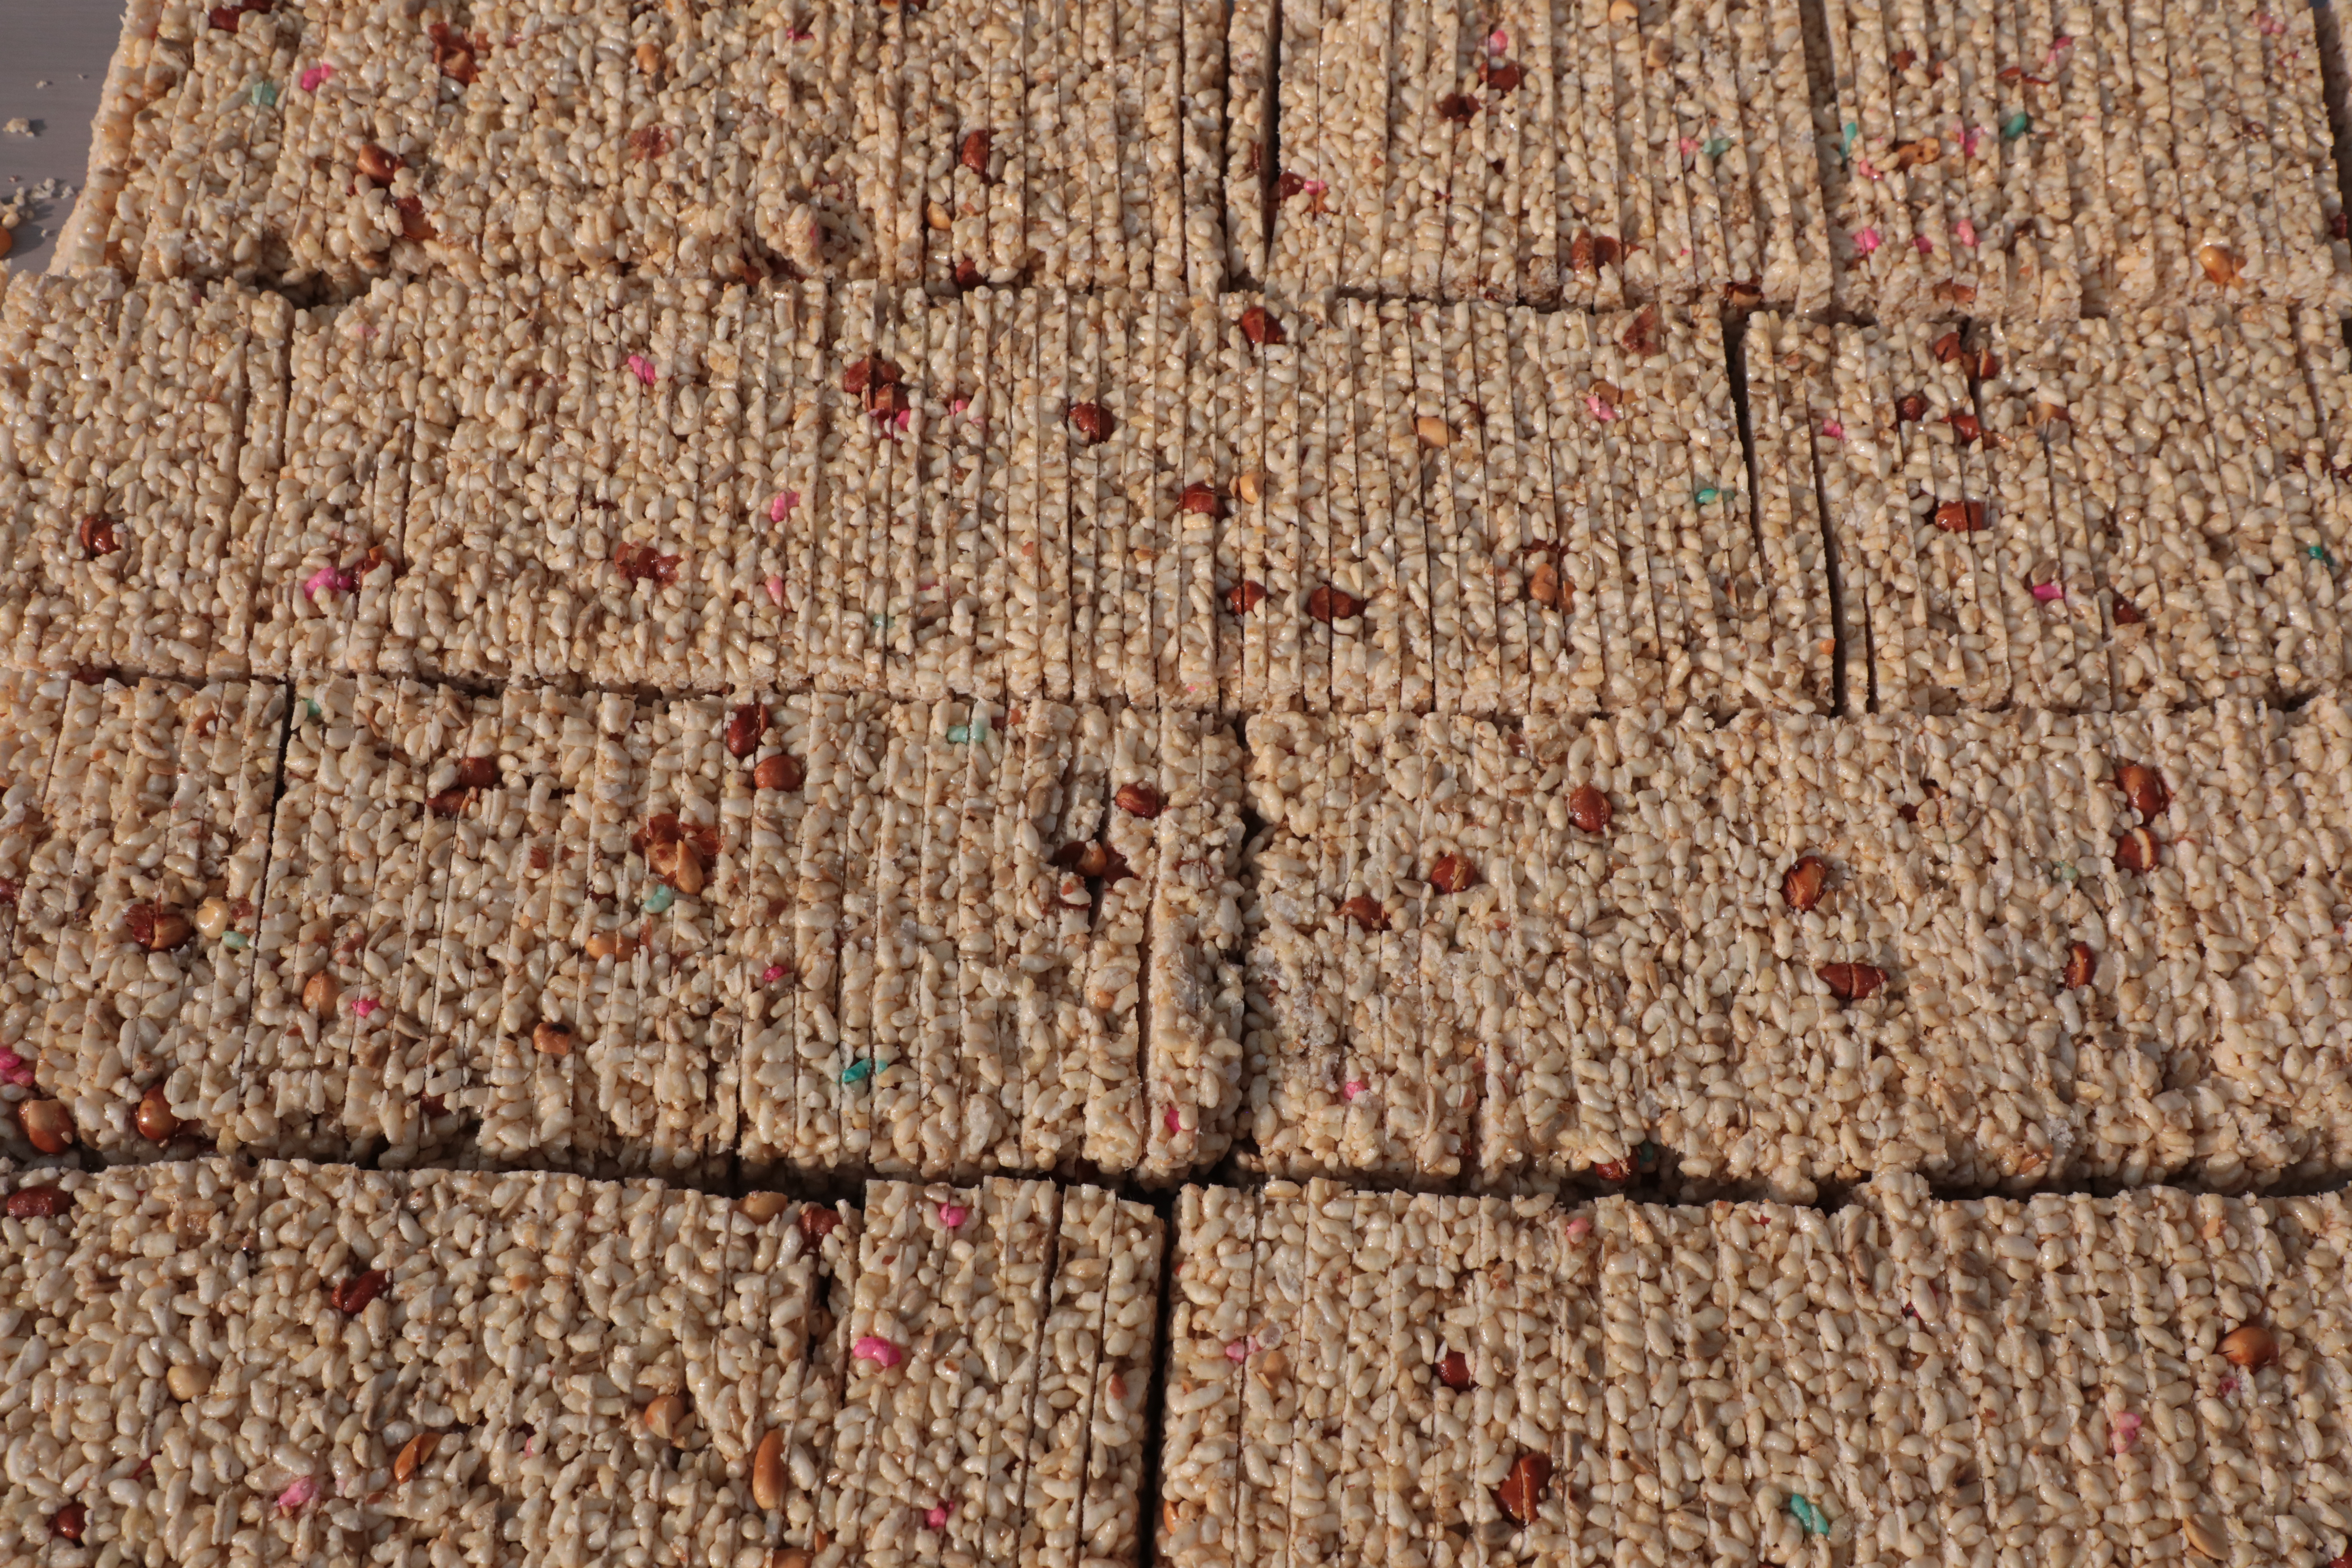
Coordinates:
[265,93]
[312,706]
[2016,125]
[959,733]
[659,900]
[2319,553]
[857,1072]
[1815,1522]
[1853,130]
[234,942]
[1709,495]
[1716,146]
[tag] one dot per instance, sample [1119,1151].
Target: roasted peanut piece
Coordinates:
[1453,1370]
[187,1381]
[1244,598]
[1261,328]
[320,992]
[158,928]
[2136,851]
[665,1417]
[2144,787]
[1522,1491]
[46,1124]
[416,1451]
[768,1473]
[1852,982]
[2250,1345]
[761,1206]
[1452,874]
[1327,603]
[39,1203]
[157,1124]
[549,1038]
[1140,800]
[777,771]
[1802,884]
[1589,809]
[2082,963]
[745,725]
[1366,911]
[1092,421]
[1433,431]
[378,166]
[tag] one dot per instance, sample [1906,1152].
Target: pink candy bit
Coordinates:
[772,973]
[328,580]
[781,507]
[310,79]
[1600,410]
[301,1491]
[899,420]
[15,1069]
[1240,1349]
[2062,42]
[1926,246]
[1579,1228]
[2046,591]
[878,1350]
[1172,1122]
[1971,139]
[1865,240]
[2228,1386]
[775,586]
[799,35]
[1315,187]
[1832,429]
[2266,23]
[1499,41]
[952,1215]
[1867,170]
[641,368]
[1689,145]
[363,1006]
[1965,233]
[936,1516]
[2125,1432]
[1352,1088]
[957,406]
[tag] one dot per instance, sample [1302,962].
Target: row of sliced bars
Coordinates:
[328,142]
[1788,951]
[2025,161]
[620,935]
[2138,512]
[833,935]
[1196,503]
[2037,161]
[212,1361]
[1576,153]
[1360,1376]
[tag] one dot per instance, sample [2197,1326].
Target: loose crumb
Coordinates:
[20,126]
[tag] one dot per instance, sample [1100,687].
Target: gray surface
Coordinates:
[66,43]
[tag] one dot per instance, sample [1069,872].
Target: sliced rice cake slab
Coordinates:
[1112,1519]
[1061,1409]
[1210,1318]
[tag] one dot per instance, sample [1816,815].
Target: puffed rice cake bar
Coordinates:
[681,487]
[622,935]
[326,144]
[1997,950]
[1474,1381]
[2132,512]
[1565,152]
[2042,162]
[287,1361]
